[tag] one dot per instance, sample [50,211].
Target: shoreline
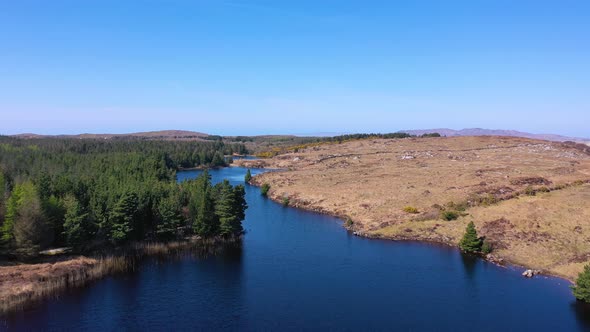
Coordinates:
[30,283]
[505,262]
[528,198]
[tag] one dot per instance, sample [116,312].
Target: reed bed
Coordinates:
[24,284]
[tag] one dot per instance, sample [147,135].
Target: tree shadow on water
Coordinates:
[582,311]
[470,264]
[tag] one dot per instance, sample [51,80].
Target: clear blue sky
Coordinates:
[257,67]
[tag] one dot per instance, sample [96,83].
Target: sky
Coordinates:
[294,67]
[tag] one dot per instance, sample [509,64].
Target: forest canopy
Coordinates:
[88,193]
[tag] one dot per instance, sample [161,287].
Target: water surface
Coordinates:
[302,271]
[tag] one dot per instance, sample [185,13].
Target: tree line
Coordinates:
[87,193]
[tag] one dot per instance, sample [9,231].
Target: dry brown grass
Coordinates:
[26,283]
[371,181]
[23,284]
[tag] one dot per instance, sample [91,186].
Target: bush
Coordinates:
[530,191]
[449,215]
[410,209]
[582,288]
[285,201]
[462,206]
[248,176]
[264,189]
[348,223]
[486,247]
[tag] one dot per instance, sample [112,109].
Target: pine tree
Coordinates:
[2,200]
[170,218]
[582,288]
[205,221]
[54,212]
[240,205]
[75,227]
[264,189]
[2,184]
[248,176]
[470,242]
[224,208]
[218,159]
[12,206]
[122,218]
[229,207]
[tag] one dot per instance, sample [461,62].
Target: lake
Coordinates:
[299,270]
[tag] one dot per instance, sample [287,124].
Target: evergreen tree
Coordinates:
[470,242]
[205,221]
[54,212]
[2,199]
[264,189]
[218,159]
[240,205]
[248,176]
[44,186]
[229,208]
[14,201]
[2,184]
[582,288]
[122,218]
[76,219]
[170,218]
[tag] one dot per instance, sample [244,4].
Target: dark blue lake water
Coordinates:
[302,271]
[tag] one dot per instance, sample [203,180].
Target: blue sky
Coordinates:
[260,67]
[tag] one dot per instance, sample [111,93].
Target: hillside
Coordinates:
[528,197]
[494,132]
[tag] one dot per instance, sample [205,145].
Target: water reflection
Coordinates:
[470,264]
[583,312]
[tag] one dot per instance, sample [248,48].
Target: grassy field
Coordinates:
[400,189]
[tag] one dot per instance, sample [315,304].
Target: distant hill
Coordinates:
[161,134]
[494,132]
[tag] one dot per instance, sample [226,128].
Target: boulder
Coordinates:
[530,273]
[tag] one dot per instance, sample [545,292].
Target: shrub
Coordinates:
[462,206]
[582,288]
[285,201]
[410,209]
[348,223]
[530,191]
[488,200]
[486,247]
[264,189]
[248,176]
[470,241]
[449,215]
